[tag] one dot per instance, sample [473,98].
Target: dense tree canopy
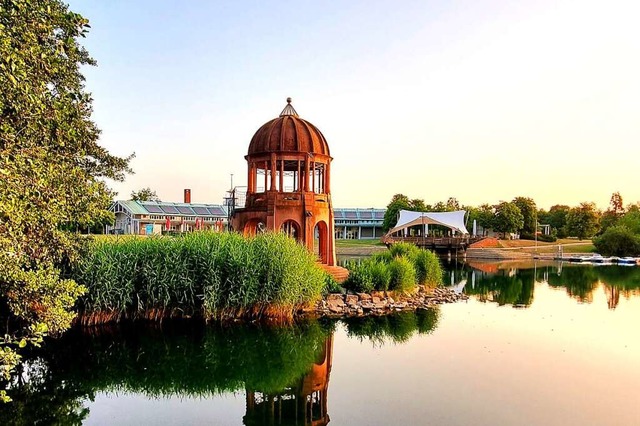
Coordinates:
[400,202]
[529,214]
[145,194]
[557,218]
[508,218]
[51,166]
[583,221]
[618,241]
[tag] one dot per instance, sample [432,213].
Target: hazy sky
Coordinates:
[479,100]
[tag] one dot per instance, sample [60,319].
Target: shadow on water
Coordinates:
[283,371]
[514,283]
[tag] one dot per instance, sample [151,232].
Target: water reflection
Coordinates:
[283,371]
[513,283]
[397,328]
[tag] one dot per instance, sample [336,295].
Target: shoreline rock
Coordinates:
[338,305]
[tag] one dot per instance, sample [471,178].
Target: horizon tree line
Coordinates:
[522,216]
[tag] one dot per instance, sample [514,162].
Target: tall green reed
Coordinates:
[212,274]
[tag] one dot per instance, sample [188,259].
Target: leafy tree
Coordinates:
[616,205]
[529,213]
[608,219]
[631,220]
[618,241]
[418,205]
[615,211]
[51,168]
[398,202]
[557,218]
[145,194]
[453,204]
[543,216]
[508,218]
[440,207]
[583,221]
[401,202]
[486,216]
[483,215]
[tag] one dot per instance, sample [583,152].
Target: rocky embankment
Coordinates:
[336,305]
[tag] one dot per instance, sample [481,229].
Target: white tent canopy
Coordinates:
[453,220]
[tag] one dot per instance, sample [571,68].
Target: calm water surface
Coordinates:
[534,345]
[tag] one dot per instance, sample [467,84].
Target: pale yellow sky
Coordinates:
[483,101]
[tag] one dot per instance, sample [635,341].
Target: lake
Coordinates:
[535,344]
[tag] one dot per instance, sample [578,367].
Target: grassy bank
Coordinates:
[216,275]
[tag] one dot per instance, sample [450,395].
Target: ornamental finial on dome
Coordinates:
[288,110]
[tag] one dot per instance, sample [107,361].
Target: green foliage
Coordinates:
[548,238]
[144,194]
[387,270]
[182,359]
[508,218]
[219,274]
[583,221]
[403,275]
[331,285]
[380,275]
[396,328]
[404,249]
[400,202]
[631,220]
[383,256]
[529,214]
[428,269]
[484,217]
[360,277]
[618,241]
[557,218]
[52,168]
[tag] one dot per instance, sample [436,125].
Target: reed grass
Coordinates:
[401,268]
[216,275]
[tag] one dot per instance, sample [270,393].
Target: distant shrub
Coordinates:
[547,238]
[527,236]
[541,237]
[618,241]
[403,275]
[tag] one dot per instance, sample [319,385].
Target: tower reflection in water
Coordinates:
[303,403]
[285,371]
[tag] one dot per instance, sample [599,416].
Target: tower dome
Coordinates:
[288,133]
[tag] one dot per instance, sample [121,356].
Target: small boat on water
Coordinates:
[598,259]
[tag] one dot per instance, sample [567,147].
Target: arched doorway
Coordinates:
[322,243]
[291,229]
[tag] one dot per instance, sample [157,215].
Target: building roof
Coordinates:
[288,133]
[359,214]
[173,209]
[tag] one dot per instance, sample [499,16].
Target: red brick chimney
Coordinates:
[187,196]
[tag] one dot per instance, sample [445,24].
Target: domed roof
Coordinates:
[288,133]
